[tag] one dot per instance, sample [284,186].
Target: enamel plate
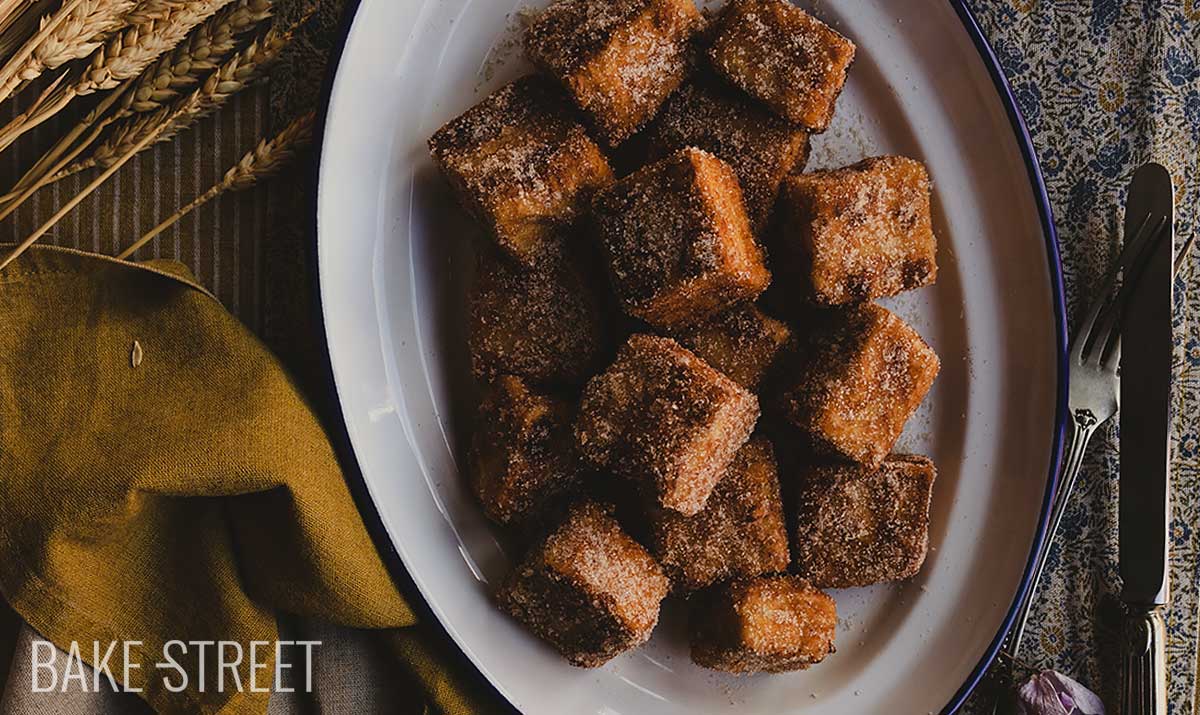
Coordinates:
[394,260]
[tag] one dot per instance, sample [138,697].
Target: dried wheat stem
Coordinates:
[123,57]
[165,121]
[80,34]
[266,159]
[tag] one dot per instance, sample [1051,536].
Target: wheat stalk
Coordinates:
[265,160]
[123,57]
[165,118]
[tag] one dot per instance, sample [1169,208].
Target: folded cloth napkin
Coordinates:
[161,479]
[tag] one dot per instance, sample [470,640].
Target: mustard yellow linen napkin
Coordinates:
[161,479]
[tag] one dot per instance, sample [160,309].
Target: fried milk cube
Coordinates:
[546,324]
[859,377]
[857,233]
[522,452]
[760,147]
[588,589]
[743,342]
[769,623]
[784,57]
[678,241]
[520,163]
[665,419]
[618,59]
[857,526]
[740,531]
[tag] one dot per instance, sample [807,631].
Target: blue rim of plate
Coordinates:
[329,404]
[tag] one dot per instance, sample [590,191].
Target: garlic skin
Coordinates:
[1052,693]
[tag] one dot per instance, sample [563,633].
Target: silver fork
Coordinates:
[1093,398]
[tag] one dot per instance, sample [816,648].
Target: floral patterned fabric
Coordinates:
[1106,85]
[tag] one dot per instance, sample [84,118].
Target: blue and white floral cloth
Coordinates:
[1106,85]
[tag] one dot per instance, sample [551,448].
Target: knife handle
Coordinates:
[1144,690]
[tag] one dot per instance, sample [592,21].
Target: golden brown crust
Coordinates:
[664,418]
[743,342]
[860,375]
[522,453]
[520,163]
[547,324]
[768,624]
[784,57]
[857,526]
[588,589]
[760,147]
[619,59]
[678,241]
[857,233]
[740,531]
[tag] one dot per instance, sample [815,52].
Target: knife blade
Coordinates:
[1147,344]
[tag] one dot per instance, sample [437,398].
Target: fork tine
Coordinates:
[1084,332]
[1113,361]
[1111,324]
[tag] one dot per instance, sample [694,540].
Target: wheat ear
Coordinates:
[123,57]
[48,25]
[265,160]
[80,34]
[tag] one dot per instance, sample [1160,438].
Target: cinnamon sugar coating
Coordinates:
[856,233]
[767,624]
[665,419]
[743,342]
[520,163]
[618,59]
[856,526]
[784,57]
[547,324]
[740,531]
[860,375]
[760,147]
[588,589]
[522,453]
[678,241]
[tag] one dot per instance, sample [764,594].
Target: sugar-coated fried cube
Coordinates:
[860,375]
[742,342]
[678,241]
[547,324]
[857,233]
[588,589]
[856,526]
[740,531]
[786,58]
[769,623]
[664,418]
[521,164]
[760,147]
[619,59]
[522,452]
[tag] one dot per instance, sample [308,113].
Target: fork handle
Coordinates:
[1144,685]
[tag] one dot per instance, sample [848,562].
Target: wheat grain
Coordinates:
[265,160]
[203,50]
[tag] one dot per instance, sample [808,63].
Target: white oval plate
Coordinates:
[394,264]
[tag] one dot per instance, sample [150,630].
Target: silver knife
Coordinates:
[1145,508]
